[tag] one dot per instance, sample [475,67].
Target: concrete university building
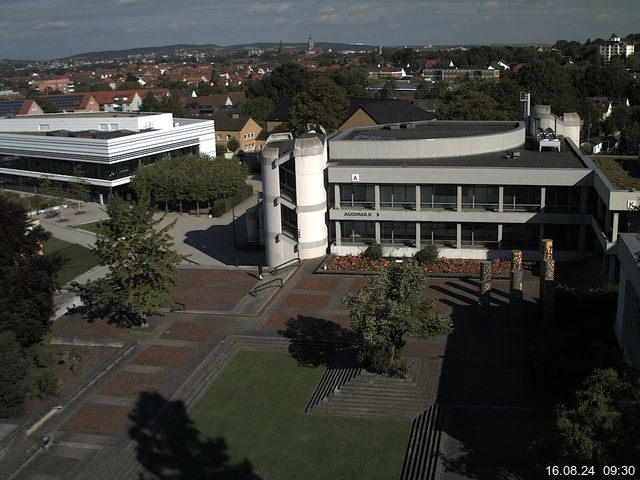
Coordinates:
[474,189]
[108,147]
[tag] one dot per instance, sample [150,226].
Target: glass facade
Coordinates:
[521,236]
[480,235]
[480,197]
[357,196]
[521,199]
[400,233]
[439,196]
[358,232]
[562,199]
[398,196]
[442,234]
[98,171]
[287,172]
[289,222]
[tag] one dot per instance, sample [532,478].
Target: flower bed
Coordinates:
[360,263]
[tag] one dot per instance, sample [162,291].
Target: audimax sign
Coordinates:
[359,214]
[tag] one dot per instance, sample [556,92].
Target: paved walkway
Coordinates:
[480,364]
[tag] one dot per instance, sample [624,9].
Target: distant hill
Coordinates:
[211,49]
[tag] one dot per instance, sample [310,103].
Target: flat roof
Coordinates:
[429,129]
[527,159]
[90,114]
[623,172]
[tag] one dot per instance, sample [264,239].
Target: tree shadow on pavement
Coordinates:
[315,341]
[169,446]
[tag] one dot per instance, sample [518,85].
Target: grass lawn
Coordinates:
[90,227]
[257,406]
[79,259]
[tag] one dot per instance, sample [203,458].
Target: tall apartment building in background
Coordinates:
[614,47]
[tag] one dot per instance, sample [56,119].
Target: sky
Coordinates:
[45,29]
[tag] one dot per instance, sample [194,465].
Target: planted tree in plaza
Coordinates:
[27,278]
[80,187]
[391,305]
[141,261]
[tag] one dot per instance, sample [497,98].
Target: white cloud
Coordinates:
[259,9]
[46,25]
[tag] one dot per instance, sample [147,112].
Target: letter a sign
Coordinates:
[355,177]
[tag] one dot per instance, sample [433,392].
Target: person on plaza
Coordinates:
[260,271]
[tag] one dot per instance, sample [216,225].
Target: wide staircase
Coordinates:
[423,457]
[377,396]
[254,301]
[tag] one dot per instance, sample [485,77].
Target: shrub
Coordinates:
[12,376]
[428,255]
[223,205]
[374,252]
[42,385]
[40,353]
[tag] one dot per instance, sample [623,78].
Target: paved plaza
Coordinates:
[479,365]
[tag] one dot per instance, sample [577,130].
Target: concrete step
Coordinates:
[423,457]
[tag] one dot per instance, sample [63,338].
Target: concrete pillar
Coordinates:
[515,290]
[548,290]
[543,198]
[418,200]
[336,194]
[584,192]
[501,199]
[484,300]
[271,207]
[458,236]
[499,236]
[614,226]
[338,229]
[377,232]
[459,198]
[376,197]
[418,235]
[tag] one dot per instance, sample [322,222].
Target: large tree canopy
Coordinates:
[389,306]
[322,102]
[141,261]
[27,278]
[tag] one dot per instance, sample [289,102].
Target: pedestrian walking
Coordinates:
[260,271]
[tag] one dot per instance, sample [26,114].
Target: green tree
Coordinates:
[257,108]
[390,306]
[322,102]
[79,187]
[27,278]
[603,428]
[141,262]
[468,103]
[12,376]
[233,145]
[150,103]
[630,140]
[389,89]
[353,80]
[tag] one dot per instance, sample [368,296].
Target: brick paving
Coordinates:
[318,283]
[160,356]
[213,289]
[98,419]
[299,300]
[76,324]
[131,384]
[54,466]
[188,331]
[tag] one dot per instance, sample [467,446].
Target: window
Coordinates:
[523,236]
[249,135]
[358,232]
[398,196]
[228,137]
[400,233]
[104,126]
[443,234]
[565,237]
[479,235]
[113,126]
[220,137]
[480,197]
[354,195]
[43,127]
[562,199]
[289,222]
[521,199]
[439,196]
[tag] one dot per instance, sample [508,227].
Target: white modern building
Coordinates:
[108,147]
[614,47]
[475,189]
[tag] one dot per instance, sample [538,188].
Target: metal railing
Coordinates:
[276,282]
[288,263]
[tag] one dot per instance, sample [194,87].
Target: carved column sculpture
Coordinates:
[484,303]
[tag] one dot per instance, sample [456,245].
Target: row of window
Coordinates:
[482,197]
[525,236]
[100,171]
